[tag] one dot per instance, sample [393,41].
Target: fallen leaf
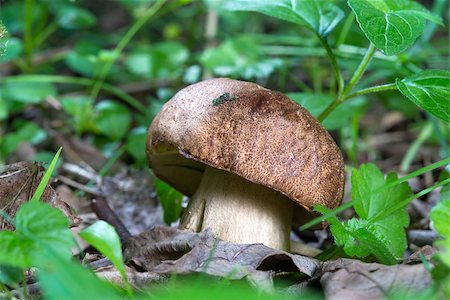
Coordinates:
[18,182]
[353,279]
[165,250]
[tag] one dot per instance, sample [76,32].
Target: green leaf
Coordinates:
[316,104]
[65,279]
[320,16]
[391,25]
[38,227]
[136,141]
[430,90]
[440,214]
[10,275]
[113,119]
[27,92]
[73,17]
[26,132]
[10,49]
[104,238]
[370,200]
[82,111]
[239,57]
[161,61]
[170,199]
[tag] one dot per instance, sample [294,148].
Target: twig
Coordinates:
[422,237]
[77,185]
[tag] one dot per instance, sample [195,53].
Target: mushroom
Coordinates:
[246,156]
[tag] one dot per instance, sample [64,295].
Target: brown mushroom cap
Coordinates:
[243,128]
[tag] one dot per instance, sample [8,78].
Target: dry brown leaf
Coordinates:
[18,182]
[353,279]
[165,250]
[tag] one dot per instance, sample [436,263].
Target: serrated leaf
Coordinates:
[391,25]
[371,198]
[430,90]
[320,16]
[170,199]
[38,227]
[105,239]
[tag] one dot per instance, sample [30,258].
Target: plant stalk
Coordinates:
[122,44]
[334,64]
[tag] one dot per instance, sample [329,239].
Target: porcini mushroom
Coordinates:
[245,155]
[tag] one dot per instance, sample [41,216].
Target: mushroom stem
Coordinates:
[239,211]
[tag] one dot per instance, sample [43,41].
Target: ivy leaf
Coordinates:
[391,25]
[170,199]
[320,16]
[430,90]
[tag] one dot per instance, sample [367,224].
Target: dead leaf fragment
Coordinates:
[18,182]
[353,279]
[165,251]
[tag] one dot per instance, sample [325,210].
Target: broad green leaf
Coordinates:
[239,57]
[440,214]
[160,61]
[316,104]
[46,226]
[10,275]
[136,141]
[4,108]
[73,17]
[38,227]
[391,25]
[27,92]
[320,16]
[370,200]
[430,90]
[65,279]
[104,238]
[82,112]
[10,49]
[84,64]
[113,119]
[26,132]
[170,199]
[15,250]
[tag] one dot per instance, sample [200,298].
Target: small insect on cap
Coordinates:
[243,128]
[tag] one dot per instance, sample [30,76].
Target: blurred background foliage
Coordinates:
[101,70]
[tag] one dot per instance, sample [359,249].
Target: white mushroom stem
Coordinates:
[239,211]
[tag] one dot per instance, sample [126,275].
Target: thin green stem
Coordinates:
[133,102]
[424,135]
[345,29]
[373,89]
[342,95]
[394,208]
[328,110]
[44,34]
[28,34]
[361,68]
[334,64]
[122,44]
